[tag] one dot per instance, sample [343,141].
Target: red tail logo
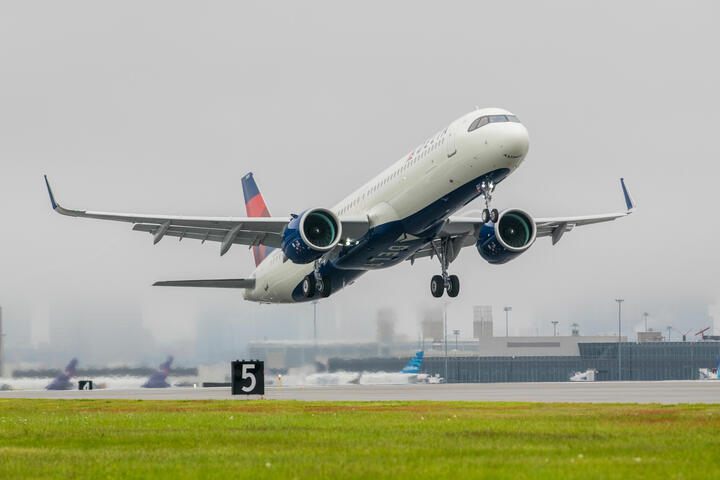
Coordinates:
[255,206]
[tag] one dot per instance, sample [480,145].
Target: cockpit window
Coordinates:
[479,122]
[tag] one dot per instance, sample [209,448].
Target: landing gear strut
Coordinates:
[486,189]
[444,282]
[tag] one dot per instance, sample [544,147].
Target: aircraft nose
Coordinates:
[513,140]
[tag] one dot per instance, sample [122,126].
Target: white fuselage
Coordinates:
[451,158]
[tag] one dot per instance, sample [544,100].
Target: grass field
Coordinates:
[288,439]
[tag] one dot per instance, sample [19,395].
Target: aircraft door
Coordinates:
[450,149]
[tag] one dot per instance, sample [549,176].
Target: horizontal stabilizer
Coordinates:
[222,283]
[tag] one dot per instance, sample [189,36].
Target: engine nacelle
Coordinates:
[311,234]
[513,233]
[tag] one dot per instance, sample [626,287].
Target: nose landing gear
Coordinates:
[486,189]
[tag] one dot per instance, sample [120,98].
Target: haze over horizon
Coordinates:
[161,107]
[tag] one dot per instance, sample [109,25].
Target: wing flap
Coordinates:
[549,226]
[242,237]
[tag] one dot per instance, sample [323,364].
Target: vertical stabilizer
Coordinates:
[255,206]
[413,365]
[158,379]
[62,381]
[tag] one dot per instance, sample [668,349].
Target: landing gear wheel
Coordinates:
[437,286]
[494,215]
[453,286]
[308,286]
[324,287]
[485,216]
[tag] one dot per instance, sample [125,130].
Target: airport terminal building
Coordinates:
[552,359]
[489,358]
[638,361]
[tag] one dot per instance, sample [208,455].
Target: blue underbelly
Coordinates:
[391,243]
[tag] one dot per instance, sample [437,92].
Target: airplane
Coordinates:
[62,381]
[158,379]
[409,374]
[586,376]
[711,373]
[403,214]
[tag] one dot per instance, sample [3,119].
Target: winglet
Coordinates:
[629,202]
[50,192]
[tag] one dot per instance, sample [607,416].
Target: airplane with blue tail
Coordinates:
[711,373]
[405,213]
[410,373]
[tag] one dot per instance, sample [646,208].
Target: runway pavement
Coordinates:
[666,392]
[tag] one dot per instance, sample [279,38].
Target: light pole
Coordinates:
[554,322]
[315,302]
[507,312]
[2,364]
[669,329]
[445,327]
[645,315]
[619,302]
[456,333]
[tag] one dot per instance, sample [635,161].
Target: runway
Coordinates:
[665,392]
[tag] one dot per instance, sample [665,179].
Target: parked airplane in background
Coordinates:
[586,376]
[404,213]
[710,373]
[62,381]
[159,378]
[409,374]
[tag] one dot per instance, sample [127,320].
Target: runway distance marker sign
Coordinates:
[248,377]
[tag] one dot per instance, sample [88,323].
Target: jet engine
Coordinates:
[511,235]
[309,235]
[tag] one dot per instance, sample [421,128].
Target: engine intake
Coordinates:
[514,233]
[311,234]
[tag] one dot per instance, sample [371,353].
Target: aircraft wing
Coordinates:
[225,230]
[222,283]
[462,231]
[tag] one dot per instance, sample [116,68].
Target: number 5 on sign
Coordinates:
[248,377]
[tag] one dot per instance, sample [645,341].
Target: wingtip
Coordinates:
[629,202]
[50,193]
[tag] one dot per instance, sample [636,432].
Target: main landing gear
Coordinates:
[444,282]
[314,283]
[451,283]
[486,190]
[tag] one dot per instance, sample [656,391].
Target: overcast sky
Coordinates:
[161,107]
